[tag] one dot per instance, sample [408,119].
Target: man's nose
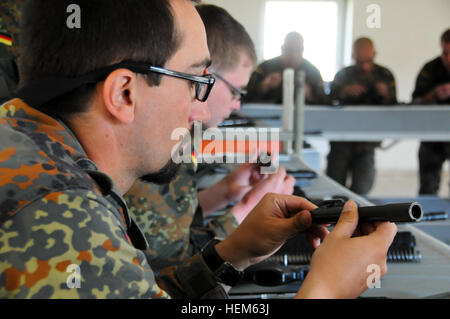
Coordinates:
[235,105]
[200,112]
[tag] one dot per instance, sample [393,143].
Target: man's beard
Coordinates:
[164,176]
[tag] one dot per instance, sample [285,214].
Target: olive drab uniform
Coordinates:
[358,158]
[58,211]
[275,95]
[432,155]
[171,219]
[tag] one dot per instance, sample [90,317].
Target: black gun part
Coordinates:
[396,212]
[274,274]
[303,174]
[298,251]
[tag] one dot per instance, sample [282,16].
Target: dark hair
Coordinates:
[227,38]
[445,38]
[111,31]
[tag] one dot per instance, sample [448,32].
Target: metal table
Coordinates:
[363,123]
[404,280]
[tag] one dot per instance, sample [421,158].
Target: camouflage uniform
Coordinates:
[57,209]
[275,95]
[432,155]
[358,158]
[165,213]
[171,219]
[9,26]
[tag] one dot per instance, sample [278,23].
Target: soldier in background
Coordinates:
[266,82]
[364,83]
[175,217]
[9,44]
[433,87]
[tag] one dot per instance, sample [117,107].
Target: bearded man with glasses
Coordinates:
[176,217]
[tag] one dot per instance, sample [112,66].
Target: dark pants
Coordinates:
[431,157]
[356,159]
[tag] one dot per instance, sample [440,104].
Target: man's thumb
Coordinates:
[299,222]
[348,221]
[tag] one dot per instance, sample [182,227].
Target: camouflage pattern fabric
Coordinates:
[58,210]
[358,158]
[165,214]
[223,225]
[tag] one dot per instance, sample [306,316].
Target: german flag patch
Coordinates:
[6,39]
[194,159]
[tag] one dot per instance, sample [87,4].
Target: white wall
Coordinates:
[408,37]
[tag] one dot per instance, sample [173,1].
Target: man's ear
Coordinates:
[119,95]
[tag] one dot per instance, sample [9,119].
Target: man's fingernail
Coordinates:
[348,207]
[317,242]
[304,218]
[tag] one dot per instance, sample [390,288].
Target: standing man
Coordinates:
[266,82]
[98,106]
[364,83]
[171,216]
[433,87]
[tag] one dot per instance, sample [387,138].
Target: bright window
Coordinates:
[317,21]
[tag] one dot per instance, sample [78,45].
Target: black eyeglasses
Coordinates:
[238,94]
[45,90]
[203,84]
